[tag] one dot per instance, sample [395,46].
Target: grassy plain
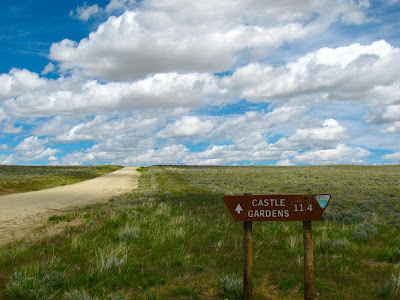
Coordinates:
[19,179]
[173,238]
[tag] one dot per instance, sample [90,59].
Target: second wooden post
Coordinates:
[248,260]
[308,261]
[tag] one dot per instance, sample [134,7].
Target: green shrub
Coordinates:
[182,291]
[214,235]
[58,219]
[21,287]
[336,244]
[77,295]
[231,286]
[395,220]
[141,169]
[344,216]
[391,288]
[83,295]
[36,281]
[115,296]
[365,232]
[390,255]
[287,284]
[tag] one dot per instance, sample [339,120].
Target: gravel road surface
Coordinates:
[20,212]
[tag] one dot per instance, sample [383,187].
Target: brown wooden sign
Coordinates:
[277,207]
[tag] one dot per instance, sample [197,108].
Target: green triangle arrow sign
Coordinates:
[323,200]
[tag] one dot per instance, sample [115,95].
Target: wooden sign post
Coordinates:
[248,260]
[308,261]
[249,208]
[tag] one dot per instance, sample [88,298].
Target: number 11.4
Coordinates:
[299,207]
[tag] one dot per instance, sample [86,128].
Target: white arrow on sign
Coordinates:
[238,209]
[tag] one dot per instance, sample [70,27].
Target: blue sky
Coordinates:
[209,83]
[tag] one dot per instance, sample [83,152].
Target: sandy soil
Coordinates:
[20,213]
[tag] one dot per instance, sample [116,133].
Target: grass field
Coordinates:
[19,179]
[173,238]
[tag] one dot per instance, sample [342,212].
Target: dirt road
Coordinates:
[20,212]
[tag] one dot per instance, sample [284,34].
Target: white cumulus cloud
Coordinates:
[69,96]
[187,126]
[395,157]
[17,82]
[330,133]
[342,154]
[32,148]
[205,36]
[141,88]
[85,12]
[346,73]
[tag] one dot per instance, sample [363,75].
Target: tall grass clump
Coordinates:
[36,281]
[293,243]
[83,295]
[391,288]
[110,258]
[128,234]
[77,295]
[231,286]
